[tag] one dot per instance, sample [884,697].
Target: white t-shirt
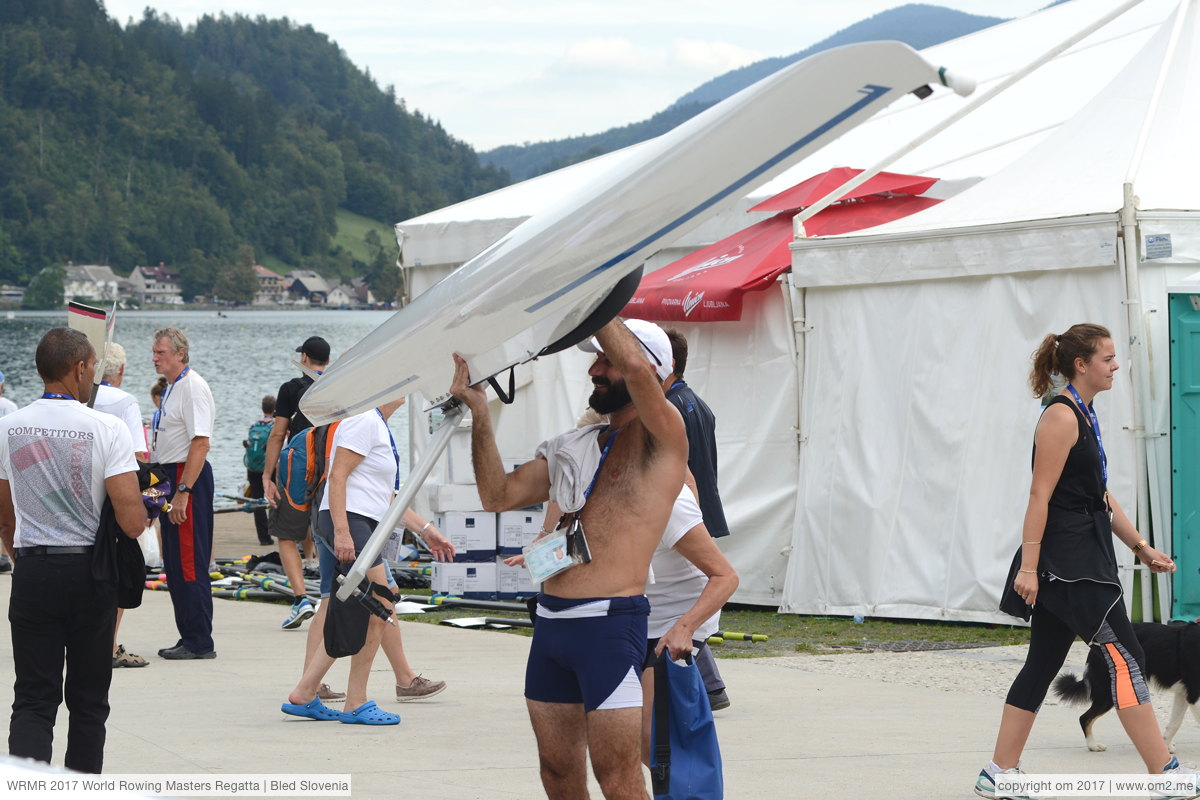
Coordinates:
[370,485]
[56,454]
[676,583]
[124,406]
[187,411]
[7,406]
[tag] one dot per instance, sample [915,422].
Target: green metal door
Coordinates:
[1185,452]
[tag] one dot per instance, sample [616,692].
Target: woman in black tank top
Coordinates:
[1064,575]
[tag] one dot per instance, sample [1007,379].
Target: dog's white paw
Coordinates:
[1096,747]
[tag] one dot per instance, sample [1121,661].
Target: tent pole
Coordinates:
[799,220]
[1137,364]
[794,300]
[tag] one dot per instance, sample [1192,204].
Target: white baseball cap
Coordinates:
[654,342]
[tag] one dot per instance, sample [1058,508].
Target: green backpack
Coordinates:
[255,457]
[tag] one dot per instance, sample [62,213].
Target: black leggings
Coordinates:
[1049,640]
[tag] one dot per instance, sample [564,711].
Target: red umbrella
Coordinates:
[810,191]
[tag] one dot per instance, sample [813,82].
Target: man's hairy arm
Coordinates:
[528,484]
[657,413]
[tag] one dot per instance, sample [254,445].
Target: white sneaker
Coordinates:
[1174,768]
[985,784]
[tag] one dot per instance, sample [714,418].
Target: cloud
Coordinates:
[712,57]
[610,54]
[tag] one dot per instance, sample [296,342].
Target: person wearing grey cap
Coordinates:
[289,525]
[6,406]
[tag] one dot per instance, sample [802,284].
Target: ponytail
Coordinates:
[1057,353]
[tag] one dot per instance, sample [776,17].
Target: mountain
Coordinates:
[189,145]
[917,25]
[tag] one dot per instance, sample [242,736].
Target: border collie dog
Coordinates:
[1172,663]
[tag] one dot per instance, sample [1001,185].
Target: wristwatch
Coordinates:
[183,488]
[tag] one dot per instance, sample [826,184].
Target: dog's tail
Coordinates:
[1071,690]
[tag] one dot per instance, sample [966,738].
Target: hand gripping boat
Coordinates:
[561,275]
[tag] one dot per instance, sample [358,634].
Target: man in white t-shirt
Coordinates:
[6,406]
[112,399]
[690,580]
[179,443]
[58,461]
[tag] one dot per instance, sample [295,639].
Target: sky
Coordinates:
[495,74]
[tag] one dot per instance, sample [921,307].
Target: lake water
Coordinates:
[243,356]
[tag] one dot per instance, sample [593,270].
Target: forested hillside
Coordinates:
[917,25]
[163,143]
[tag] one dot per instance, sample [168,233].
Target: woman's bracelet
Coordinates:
[545,532]
[1037,542]
[1030,571]
[1139,545]
[428,524]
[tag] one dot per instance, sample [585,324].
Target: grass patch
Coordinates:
[791,634]
[351,230]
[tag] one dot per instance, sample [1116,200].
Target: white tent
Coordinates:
[918,421]
[832,397]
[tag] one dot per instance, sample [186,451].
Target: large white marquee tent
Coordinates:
[873,424]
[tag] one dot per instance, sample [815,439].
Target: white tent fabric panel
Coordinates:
[1076,243]
[747,373]
[1081,167]
[918,424]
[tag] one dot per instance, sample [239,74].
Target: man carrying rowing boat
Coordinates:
[620,480]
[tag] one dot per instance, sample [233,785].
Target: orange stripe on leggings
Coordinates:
[1126,696]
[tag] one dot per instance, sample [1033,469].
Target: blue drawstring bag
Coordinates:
[685,759]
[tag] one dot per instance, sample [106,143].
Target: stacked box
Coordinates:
[473,534]
[455,497]
[516,530]
[459,468]
[472,581]
[513,583]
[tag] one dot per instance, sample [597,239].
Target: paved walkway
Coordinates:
[798,728]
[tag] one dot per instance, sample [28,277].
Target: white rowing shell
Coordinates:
[544,278]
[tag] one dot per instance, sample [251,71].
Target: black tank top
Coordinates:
[1081,485]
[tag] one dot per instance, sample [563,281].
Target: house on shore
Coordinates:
[155,286]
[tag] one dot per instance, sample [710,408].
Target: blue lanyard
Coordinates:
[106,383]
[395,452]
[156,421]
[603,455]
[57,396]
[1095,429]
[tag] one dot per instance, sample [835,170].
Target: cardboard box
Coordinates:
[513,583]
[459,468]
[473,534]
[393,550]
[472,581]
[517,529]
[455,497]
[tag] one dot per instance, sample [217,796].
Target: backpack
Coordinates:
[302,464]
[255,457]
